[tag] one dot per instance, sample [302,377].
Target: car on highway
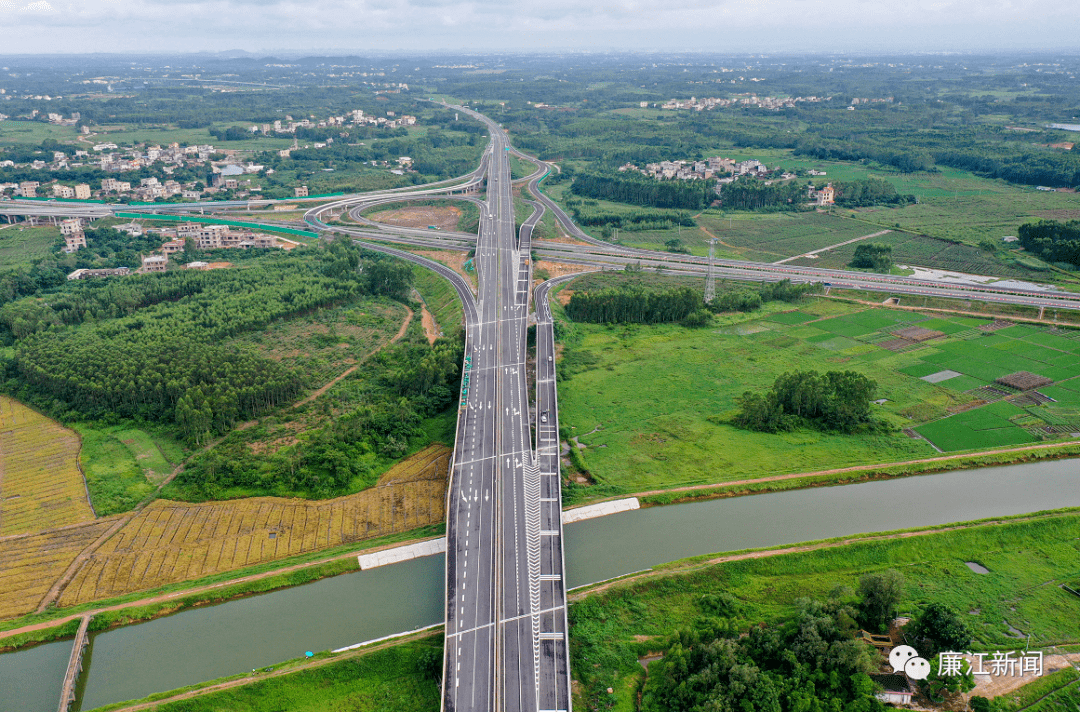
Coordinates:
[544,417]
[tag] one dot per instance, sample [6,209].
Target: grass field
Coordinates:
[30,564]
[611,630]
[34,132]
[123,465]
[41,486]
[21,245]
[923,251]
[652,403]
[172,541]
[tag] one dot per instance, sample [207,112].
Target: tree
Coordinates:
[873,256]
[940,624]
[430,664]
[881,594]
[389,278]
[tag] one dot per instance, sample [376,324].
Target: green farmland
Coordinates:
[652,404]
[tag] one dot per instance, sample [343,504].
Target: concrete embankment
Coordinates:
[71,677]
[603,509]
[402,553]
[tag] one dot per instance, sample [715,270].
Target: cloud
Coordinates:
[41,7]
[718,25]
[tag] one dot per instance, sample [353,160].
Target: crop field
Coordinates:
[325,343]
[171,541]
[23,245]
[653,403]
[30,563]
[40,483]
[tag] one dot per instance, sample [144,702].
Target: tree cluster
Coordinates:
[870,191]
[1052,240]
[874,256]
[640,190]
[811,662]
[835,400]
[749,194]
[633,304]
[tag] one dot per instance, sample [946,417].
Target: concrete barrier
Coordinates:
[603,509]
[402,553]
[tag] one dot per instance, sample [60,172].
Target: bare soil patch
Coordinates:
[444,217]
[558,269]
[453,260]
[431,327]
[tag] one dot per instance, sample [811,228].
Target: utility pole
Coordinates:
[710,280]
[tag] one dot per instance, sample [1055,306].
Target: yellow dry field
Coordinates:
[41,485]
[173,541]
[31,563]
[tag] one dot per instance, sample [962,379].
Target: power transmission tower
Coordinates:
[710,281]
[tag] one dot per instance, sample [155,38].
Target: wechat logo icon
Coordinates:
[905,659]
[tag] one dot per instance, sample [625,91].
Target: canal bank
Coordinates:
[234,637]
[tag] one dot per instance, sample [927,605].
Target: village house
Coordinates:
[74,237]
[93,273]
[154,263]
[172,247]
[824,197]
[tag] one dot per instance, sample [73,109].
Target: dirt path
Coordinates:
[651,573]
[853,468]
[165,597]
[287,670]
[393,340]
[832,247]
[707,232]
[431,327]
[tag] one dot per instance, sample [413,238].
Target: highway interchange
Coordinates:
[506,646]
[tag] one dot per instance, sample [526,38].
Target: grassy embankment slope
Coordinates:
[652,403]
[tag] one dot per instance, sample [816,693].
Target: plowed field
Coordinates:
[29,564]
[172,541]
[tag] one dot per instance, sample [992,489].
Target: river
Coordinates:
[235,637]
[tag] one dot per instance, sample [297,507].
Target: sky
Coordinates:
[723,26]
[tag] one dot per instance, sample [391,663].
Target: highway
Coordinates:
[506,645]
